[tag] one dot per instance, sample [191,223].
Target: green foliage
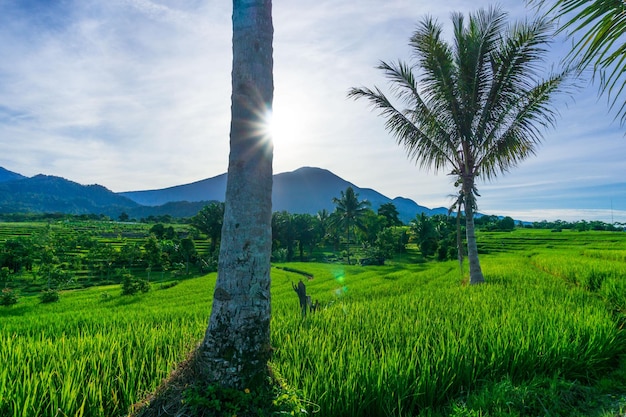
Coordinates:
[473,107]
[348,214]
[5,274]
[209,221]
[8,297]
[132,285]
[541,396]
[49,296]
[597,29]
[402,339]
[216,401]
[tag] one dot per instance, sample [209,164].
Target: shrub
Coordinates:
[132,285]
[215,401]
[49,296]
[5,274]
[169,285]
[8,297]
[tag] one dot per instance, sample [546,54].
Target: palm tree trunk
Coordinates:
[348,244]
[236,347]
[476,273]
[459,240]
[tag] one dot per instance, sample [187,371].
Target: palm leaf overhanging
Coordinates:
[475,107]
[598,30]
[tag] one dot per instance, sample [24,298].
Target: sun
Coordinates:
[283,127]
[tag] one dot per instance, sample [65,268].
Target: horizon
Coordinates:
[566,218]
[135,94]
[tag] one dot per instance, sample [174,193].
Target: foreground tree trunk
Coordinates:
[236,347]
[476,273]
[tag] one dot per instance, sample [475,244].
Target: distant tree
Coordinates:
[158,230]
[153,253]
[17,254]
[477,104]
[5,275]
[124,217]
[371,225]
[130,254]
[187,249]
[506,223]
[323,224]
[209,221]
[304,229]
[349,210]
[598,28]
[390,213]
[425,233]
[283,233]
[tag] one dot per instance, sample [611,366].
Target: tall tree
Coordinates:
[391,214]
[476,106]
[598,28]
[209,221]
[349,210]
[423,227]
[283,233]
[236,347]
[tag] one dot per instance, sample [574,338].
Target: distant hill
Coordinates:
[50,194]
[308,190]
[6,175]
[210,189]
[305,190]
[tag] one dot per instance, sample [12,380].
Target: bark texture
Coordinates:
[476,273]
[236,347]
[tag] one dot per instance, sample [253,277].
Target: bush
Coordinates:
[169,285]
[49,296]
[8,297]
[279,255]
[132,285]
[5,274]
[216,401]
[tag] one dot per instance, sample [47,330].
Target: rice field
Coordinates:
[402,339]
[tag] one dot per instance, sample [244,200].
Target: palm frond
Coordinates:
[521,128]
[598,28]
[417,128]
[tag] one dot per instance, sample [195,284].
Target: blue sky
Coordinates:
[135,94]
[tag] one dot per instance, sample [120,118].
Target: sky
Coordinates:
[135,95]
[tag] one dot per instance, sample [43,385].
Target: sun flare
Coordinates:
[282,128]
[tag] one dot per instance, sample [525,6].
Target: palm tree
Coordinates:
[349,211]
[476,106]
[236,347]
[599,30]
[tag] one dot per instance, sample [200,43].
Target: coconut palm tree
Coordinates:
[348,213]
[475,106]
[598,28]
[236,347]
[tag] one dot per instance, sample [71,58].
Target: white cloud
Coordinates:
[135,94]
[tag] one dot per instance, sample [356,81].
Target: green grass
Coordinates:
[543,337]
[95,355]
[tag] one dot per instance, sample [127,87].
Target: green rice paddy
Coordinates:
[408,338]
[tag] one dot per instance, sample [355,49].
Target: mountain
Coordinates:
[210,189]
[305,190]
[50,194]
[6,175]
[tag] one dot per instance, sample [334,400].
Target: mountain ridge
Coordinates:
[306,190]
